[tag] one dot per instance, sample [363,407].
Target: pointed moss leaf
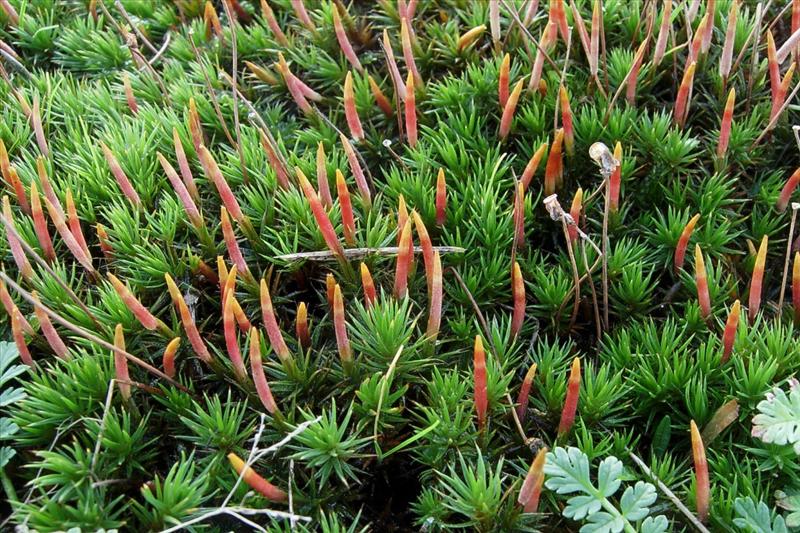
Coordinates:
[757,518]
[778,420]
[636,500]
[654,524]
[6,454]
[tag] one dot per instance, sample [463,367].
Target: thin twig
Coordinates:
[357,253]
[777,116]
[133,26]
[669,494]
[485,325]
[164,47]
[795,207]
[525,31]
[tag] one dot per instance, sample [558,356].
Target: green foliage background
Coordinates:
[424,462]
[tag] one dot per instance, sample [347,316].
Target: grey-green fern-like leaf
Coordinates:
[789,502]
[654,524]
[757,518]
[568,472]
[636,501]
[778,418]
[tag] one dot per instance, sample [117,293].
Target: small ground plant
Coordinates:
[402,265]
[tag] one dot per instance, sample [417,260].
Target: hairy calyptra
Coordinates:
[300,10]
[571,400]
[441,198]
[788,189]
[322,178]
[40,225]
[403,265]
[427,247]
[344,42]
[702,486]
[183,166]
[399,85]
[508,111]
[701,281]
[525,392]
[370,295]
[255,481]
[272,22]
[380,99]
[181,191]
[142,314]
[189,325]
[121,364]
[11,309]
[320,215]
[531,488]
[726,58]
[480,387]
[754,301]
[259,378]
[120,176]
[75,223]
[348,219]
[301,326]
[340,328]
[615,180]
[350,111]
[436,296]
[533,165]
[725,125]
[683,242]
[518,290]
[50,333]
[682,99]
[61,227]
[503,81]
[358,172]
[231,339]
[729,334]
[554,168]
[214,174]
[271,325]
[575,214]
[19,337]
[168,359]
[275,162]
[469,37]
[17,252]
